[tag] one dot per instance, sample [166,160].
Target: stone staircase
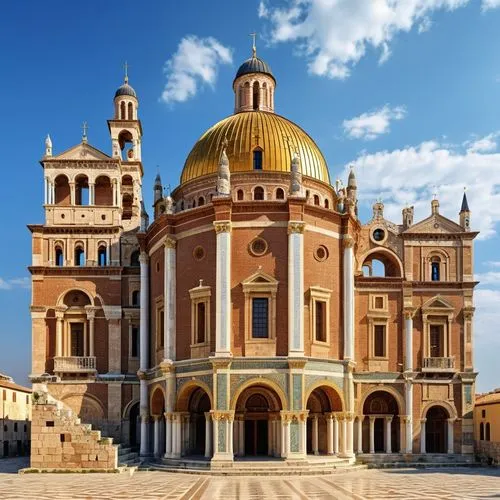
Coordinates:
[420,461]
[264,467]
[128,457]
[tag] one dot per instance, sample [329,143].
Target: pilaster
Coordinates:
[296,288]
[170,297]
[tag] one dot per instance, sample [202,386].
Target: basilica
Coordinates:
[255,314]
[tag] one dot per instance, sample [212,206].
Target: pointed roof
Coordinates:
[465,204]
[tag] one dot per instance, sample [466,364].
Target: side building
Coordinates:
[487,427]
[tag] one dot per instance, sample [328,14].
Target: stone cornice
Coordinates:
[74,229]
[75,271]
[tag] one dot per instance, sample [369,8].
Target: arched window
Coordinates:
[127,207]
[102,256]
[481,431]
[82,190]
[79,256]
[201,201]
[327,203]
[240,96]
[62,191]
[182,205]
[257,159]
[264,94]
[487,433]
[280,194]
[130,111]
[258,193]
[436,269]
[122,110]
[316,200]
[256,95]
[239,195]
[194,203]
[134,258]
[59,256]
[103,191]
[135,297]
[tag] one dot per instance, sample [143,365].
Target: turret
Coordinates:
[407,217]
[157,189]
[378,210]
[48,146]
[352,194]
[465,214]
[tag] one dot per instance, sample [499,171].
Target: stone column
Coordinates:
[144,313]
[269,438]
[168,435]
[113,315]
[422,435]
[388,437]
[144,448]
[186,434]
[372,433]
[343,435]
[156,435]
[59,331]
[72,193]
[241,437]
[91,319]
[350,434]
[329,434]
[208,435]
[451,448]
[45,190]
[144,411]
[409,416]
[91,193]
[360,433]
[408,340]
[315,433]
[296,288]
[177,436]
[230,436]
[335,435]
[348,262]
[169,294]
[223,289]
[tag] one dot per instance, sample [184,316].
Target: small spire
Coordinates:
[84,132]
[254,48]
[48,146]
[465,203]
[126,71]
[351,181]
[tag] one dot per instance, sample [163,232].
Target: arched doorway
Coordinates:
[322,429]
[381,425]
[436,430]
[158,415]
[199,408]
[257,417]
[134,434]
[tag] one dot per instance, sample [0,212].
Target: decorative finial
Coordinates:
[126,71]
[48,146]
[84,132]
[201,283]
[254,48]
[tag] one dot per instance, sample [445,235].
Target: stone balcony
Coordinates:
[75,364]
[86,215]
[444,364]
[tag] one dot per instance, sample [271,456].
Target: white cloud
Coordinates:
[487,316]
[489,4]
[9,284]
[412,174]
[335,34]
[485,144]
[194,65]
[368,126]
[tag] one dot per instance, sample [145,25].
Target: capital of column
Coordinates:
[208,416]
[141,375]
[60,310]
[388,419]
[405,418]
[372,418]
[349,416]
[170,242]
[360,418]
[451,420]
[296,227]
[90,310]
[423,420]
[222,226]
[222,415]
[143,258]
[468,313]
[155,418]
[348,241]
[409,312]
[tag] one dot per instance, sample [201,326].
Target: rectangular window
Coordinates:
[200,322]
[379,302]
[260,318]
[27,399]
[134,352]
[4,395]
[483,413]
[379,341]
[76,339]
[435,271]
[257,160]
[320,323]
[14,399]
[161,328]
[436,341]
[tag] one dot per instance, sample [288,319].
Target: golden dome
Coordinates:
[248,131]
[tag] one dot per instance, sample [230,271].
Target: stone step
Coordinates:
[124,457]
[421,465]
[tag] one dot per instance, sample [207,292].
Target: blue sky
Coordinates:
[408,92]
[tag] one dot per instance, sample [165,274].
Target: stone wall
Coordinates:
[60,441]
[487,451]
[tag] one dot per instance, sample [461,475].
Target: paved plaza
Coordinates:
[358,485]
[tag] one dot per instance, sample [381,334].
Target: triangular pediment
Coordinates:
[437,303]
[436,224]
[82,151]
[258,278]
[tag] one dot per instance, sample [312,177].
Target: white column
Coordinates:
[91,318]
[52,192]
[59,334]
[208,435]
[348,297]
[372,434]
[241,437]
[408,341]
[277,451]
[115,193]
[315,433]
[144,313]
[422,435]
[91,193]
[45,190]
[156,435]
[451,447]
[177,436]
[388,437]
[170,302]
[229,436]
[409,417]
[187,435]
[296,288]
[303,435]
[223,289]
[343,436]
[168,435]
[350,435]
[335,435]
[72,193]
[144,449]
[329,435]
[360,434]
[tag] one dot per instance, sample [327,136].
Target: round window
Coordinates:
[321,253]
[199,253]
[258,247]
[379,234]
